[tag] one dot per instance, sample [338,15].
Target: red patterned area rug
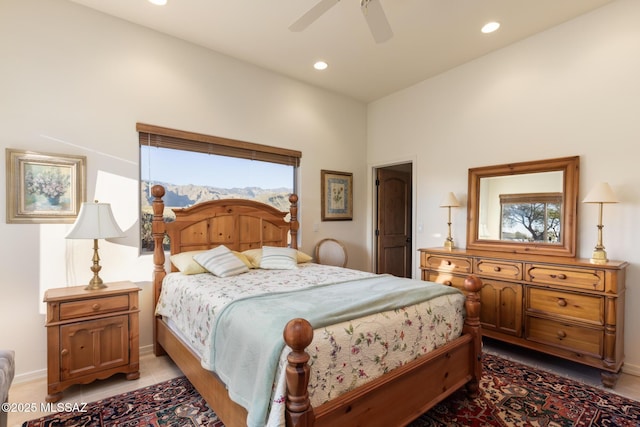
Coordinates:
[512,394]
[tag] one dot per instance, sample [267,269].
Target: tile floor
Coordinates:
[157,369]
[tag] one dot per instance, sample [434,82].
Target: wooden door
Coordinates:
[393,231]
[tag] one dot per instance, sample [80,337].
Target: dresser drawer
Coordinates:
[580,278]
[447,263]
[445,278]
[580,339]
[498,269]
[93,306]
[565,304]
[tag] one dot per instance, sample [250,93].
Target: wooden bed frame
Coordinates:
[395,399]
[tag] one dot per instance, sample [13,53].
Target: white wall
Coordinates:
[572,90]
[74,81]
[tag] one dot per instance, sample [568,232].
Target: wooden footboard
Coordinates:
[398,397]
[394,399]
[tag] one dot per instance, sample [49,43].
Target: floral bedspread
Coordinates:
[343,356]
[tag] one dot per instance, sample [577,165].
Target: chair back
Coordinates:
[331,252]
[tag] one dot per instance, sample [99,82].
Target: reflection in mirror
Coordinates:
[528,207]
[521,208]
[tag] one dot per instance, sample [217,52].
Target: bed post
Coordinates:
[293,200]
[158,231]
[298,334]
[473,285]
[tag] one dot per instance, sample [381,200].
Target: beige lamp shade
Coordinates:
[95,221]
[450,201]
[601,193]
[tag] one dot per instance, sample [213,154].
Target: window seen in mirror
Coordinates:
[531,217]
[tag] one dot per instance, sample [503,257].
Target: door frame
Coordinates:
[373,219]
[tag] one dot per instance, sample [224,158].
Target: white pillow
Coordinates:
[255,255]
[276,258]
[221,262]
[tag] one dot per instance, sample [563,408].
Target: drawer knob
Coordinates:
[448,282]
[561,334]
[64,352]
[447,262]
[496,269]
[562,302]
[95,307]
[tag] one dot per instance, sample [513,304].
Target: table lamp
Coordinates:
[601,194]
[95,221]
[449,202]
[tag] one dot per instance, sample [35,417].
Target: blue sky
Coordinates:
[184,167]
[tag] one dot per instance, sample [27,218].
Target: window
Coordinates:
[195,168]
[534,217]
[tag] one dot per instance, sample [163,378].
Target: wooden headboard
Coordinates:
[238,224]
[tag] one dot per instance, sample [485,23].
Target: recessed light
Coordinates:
[320,65]
[490,27]
[158,2]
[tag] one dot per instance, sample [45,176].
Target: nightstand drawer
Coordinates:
[93,306]
[565,304]
[590,279]
[499,269]
[575,338]
[447,263]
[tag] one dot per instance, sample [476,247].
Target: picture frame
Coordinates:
[337,195]
[44,187]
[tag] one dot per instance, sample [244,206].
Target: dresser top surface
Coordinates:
[546,259]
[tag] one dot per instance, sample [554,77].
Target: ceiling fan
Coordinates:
[371,9]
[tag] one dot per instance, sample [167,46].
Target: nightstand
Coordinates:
[91,335]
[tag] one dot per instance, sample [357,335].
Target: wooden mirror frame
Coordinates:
[570,166]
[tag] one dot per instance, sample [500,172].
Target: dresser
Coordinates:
[565,307]
[91,335]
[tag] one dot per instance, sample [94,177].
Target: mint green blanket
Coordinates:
[248,337]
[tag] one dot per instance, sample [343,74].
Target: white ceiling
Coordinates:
[430,36]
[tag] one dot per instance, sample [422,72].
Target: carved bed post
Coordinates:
[298,335]
[473,285]
[293,199]
[158,231]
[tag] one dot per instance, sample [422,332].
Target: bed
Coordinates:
[398,395]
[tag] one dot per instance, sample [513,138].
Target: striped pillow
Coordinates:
[276,258]
[221,262]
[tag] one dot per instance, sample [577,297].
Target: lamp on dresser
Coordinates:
[600,194]
[95,221]
[449,202]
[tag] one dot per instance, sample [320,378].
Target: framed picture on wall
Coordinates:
[43,187]
[337,195]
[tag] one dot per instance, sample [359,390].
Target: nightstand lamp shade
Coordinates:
[95,221]
[449,202]
[601,194]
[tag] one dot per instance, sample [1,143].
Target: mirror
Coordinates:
[528,207]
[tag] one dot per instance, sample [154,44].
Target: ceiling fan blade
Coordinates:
[377,20]
[312,14]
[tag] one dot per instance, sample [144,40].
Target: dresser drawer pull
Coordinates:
[562,302]
[448,282]
[561,334]
[447,262]
[559,276]
[64,352]
[496,269]
[95,307]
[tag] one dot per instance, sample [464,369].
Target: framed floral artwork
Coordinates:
[337,195]
[43,187]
